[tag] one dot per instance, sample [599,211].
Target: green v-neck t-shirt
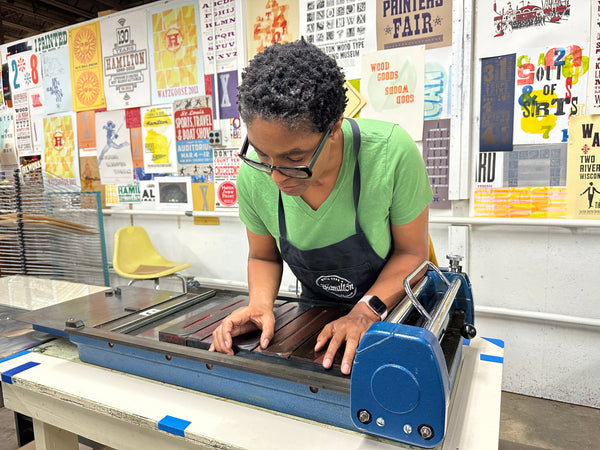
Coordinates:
[395,189]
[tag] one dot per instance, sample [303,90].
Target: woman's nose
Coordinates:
[278,177]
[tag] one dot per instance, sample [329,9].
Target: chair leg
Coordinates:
[156,284]
[183,282]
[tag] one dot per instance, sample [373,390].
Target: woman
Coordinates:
[350,232]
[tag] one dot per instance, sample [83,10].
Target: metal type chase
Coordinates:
[402,379]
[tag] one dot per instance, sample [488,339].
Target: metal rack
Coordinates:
[54,232]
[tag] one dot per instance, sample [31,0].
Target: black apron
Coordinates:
[341,271]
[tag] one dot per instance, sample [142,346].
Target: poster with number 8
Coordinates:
[25,71]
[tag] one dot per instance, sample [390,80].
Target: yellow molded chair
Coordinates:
[432,257]
[135,257]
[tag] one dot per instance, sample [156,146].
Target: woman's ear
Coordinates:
[336,131]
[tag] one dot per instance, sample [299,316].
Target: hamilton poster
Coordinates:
[125,60]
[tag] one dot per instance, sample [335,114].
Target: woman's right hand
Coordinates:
[244,320]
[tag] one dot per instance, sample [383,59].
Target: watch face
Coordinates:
[377,305]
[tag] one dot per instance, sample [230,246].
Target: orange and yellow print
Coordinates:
[174,34]
[86,68]
[59,147]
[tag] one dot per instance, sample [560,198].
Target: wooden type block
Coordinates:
[296,333]
[190,324]
[306,352]
[283,315]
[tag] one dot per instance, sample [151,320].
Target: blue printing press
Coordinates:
[402,379]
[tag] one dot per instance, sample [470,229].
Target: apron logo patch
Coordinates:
[337,286]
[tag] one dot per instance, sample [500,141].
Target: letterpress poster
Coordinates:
[125,59]
[61,161]
[271,21]
[176,58]
[496,109]
[505,26]
[392,82]
[550,87]
[160,155]
[113,148]
[403,23]
[345,30]
[218,35]
[54,50]
[86,67]
[583,168]
[193,122]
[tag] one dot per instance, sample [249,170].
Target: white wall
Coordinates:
[531,268]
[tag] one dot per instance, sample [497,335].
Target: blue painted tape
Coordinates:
[173,425]
[7,376]
[16,355]
[491,358]
[466,341]
[498,342]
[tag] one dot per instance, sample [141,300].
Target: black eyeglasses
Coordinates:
[288,171]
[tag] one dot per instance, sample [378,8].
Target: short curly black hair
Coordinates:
[295,84]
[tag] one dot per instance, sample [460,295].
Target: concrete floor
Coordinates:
[526,423]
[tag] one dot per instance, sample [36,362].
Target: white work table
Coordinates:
[66,398]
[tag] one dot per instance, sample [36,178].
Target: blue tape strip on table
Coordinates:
[16,355]
[173,425]
[491,358]
[497,342]
[7,376]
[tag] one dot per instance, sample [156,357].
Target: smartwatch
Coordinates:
[376,305]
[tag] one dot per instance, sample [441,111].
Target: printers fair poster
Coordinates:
[438,91]
[87,87]
[392,82]
[61,161]
[113,148]
[158,133]
[496,110]
[227,166]
[583,168]
[344,30]
[271,21]
[193,122]
[593,91]
[512,25]
[176,59]
[550,87]
[401,23]
[218,35]
[125,59]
